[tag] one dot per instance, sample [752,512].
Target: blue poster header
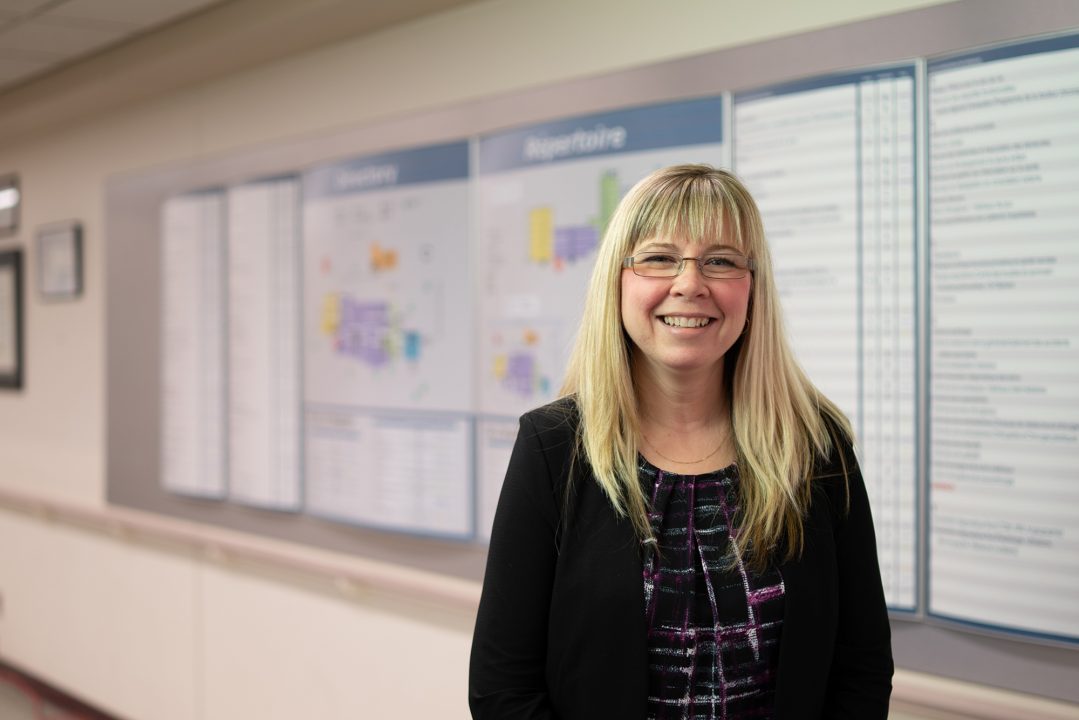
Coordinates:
[377,172]
[826,81]
[1005,51]
[692,122]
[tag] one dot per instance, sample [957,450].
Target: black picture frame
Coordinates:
[60,261]
[11,319]
[10,202]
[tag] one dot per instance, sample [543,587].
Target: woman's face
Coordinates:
[686,323]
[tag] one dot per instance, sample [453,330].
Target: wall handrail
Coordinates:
[349,574]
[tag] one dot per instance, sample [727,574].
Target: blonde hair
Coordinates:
[781,423]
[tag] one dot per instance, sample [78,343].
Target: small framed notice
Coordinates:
[9,204]
[11,315]
[59,251]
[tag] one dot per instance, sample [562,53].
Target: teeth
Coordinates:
[675,321]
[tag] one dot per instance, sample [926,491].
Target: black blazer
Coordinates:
[561,627]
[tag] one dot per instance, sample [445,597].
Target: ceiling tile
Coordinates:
[14,69]
[8,55]
[22,7]
[36,35]
[129,12]
[41,36]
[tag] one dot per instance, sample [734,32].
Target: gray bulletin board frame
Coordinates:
[132,203]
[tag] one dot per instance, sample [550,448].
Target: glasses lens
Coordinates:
[656,264]
[725,265]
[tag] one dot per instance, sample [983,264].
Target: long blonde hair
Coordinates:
[781,423]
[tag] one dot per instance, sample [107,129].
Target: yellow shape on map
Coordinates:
[540,234]
[331,313]
[500,366]
[531,337]
[382,259]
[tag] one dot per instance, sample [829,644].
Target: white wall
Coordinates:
[148,631]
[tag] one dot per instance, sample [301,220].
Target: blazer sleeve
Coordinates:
[860,681]
[509,646]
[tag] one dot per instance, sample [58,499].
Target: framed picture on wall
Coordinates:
[11,319]
[9,204]
[59,261]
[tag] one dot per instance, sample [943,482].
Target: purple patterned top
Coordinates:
[713,632]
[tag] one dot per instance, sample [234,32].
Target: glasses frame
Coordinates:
[751,265]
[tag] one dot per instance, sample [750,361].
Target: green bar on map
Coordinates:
[609,195]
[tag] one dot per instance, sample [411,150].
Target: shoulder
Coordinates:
[546,439]
[836,470]
[555,422]
[839,459]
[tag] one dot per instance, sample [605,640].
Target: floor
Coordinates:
[21,701]
[25,699]
[18,704]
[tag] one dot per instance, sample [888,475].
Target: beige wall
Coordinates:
[149,631]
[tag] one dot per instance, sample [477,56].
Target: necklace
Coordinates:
[684,462]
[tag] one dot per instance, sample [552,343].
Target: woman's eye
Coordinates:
[720,261]
[658,259]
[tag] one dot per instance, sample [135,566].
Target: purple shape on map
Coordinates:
[576,242]
[519,372]
[363,330]
[587,240]
[563,242]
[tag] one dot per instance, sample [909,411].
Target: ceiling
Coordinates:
[37,36]
[63,61]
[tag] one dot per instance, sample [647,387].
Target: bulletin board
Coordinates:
[878,109]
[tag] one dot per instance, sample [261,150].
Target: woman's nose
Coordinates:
[691,280]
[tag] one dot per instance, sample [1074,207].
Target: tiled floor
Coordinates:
[21,700]
[18,703]
[13,704]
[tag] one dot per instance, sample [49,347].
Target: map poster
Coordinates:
[388,339]
[545,195]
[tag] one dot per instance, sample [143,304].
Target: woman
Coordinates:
[685,534]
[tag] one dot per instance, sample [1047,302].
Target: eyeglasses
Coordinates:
[721,266]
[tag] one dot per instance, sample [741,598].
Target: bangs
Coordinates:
[694,208]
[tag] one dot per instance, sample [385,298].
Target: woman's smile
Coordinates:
[685,321]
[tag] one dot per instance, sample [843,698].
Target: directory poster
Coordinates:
[391,470]
[1004,341]
[388,335]
[264,344]
[193,353]
[545,194]
[831,162]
